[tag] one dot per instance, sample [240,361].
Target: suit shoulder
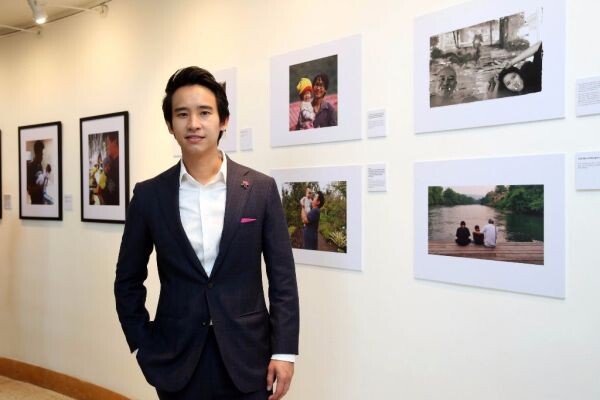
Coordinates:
[158,180]
[250,173]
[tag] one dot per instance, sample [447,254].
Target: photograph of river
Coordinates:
[516,233]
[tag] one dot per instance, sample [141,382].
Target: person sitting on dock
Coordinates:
[477,235]
[489,234]
[462,235]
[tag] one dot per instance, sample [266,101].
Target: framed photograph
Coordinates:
[489,63]
[323,210]
[494,222]
[40,171]
[316,94]
[104,167]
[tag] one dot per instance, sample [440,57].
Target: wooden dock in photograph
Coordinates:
[519,252]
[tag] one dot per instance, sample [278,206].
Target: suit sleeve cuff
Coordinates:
[284,357]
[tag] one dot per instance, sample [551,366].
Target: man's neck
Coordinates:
[203,168]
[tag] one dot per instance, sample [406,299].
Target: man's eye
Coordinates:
[181,115]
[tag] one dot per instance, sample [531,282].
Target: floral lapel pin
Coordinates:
[245,184]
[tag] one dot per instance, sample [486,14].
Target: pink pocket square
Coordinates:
[246,220]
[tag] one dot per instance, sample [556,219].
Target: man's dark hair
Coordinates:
[462,223]
[194,76]
[113,136]
[321,199]
[323,76]
[38,146]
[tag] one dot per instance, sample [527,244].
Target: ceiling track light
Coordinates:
[39,15]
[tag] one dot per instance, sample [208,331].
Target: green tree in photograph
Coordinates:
[434,194]
[523,199]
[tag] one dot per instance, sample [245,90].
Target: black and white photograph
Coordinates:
[497,223]
[493,59]
[488,63]
[104,168]
[323,206]
[40,171]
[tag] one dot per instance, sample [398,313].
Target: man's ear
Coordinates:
[223,125]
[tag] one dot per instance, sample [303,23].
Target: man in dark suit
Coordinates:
[209,220]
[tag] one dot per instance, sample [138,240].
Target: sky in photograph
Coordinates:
[473,190]
[322,184]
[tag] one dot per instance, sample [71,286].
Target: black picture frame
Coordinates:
[40,187]
[104,164]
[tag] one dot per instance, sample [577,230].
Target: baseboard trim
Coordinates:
[55,381]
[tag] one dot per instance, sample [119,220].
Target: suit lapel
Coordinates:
[169,200]
[238,192]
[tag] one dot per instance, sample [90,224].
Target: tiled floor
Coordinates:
[15,390]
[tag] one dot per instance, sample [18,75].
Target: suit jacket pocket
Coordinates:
[254,313]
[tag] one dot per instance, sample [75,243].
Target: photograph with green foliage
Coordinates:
[332,224]
[516,212]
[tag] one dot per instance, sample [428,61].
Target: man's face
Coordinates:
[319,88]
[448,81]
[195,120]
[316,202]
[112,148]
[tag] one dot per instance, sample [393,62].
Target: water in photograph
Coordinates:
[512,227]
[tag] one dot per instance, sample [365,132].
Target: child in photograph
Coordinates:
[477,235]
[307,113]
[306,201]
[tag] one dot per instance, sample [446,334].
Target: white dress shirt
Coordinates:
[202,211]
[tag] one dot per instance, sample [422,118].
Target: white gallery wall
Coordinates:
[378,333]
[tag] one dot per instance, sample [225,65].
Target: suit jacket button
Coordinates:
[204,323]
[210,285]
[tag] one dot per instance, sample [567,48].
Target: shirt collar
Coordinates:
[221,175]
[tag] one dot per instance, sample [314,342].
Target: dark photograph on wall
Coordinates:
[313,94]
[493,59]
[104,168]
[498,223]
[316,215]
[40,171]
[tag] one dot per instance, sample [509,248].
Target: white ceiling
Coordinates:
[17,13]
